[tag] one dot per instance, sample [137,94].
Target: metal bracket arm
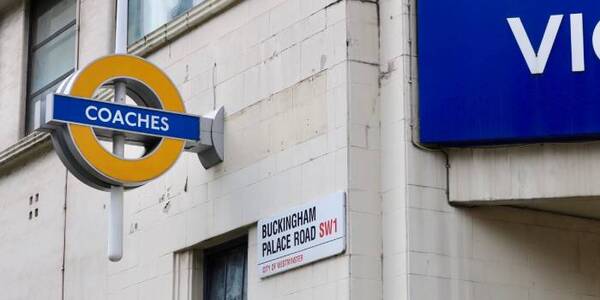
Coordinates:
[210,148]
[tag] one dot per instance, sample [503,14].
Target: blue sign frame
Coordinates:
[120,117]
[476,87]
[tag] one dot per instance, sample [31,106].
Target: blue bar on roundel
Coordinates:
[119,117]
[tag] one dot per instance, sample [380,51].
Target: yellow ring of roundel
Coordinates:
[126,170]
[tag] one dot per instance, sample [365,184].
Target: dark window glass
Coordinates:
[49,17]
[51,51]
[52,60]
[226,273]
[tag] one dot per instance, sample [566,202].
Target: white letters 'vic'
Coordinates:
[536,61]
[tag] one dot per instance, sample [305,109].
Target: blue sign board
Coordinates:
[506,71]
[128,118]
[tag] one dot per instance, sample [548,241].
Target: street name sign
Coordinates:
[302,235]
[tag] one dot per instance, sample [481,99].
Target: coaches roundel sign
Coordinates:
[505,71]
[78,124]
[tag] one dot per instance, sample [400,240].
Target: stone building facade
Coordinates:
[320,97]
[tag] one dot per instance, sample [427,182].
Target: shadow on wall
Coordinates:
[502,253]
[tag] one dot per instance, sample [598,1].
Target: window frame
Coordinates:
[179,26]
[32,47]
[138,15]
[222,250]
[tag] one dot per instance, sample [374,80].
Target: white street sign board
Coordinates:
[302,235]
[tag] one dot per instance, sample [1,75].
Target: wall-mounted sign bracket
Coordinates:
[210,148]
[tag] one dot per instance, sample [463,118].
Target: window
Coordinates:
[225,272]
[51,51]
[147,15]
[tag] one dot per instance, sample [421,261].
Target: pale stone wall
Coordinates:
[32,249]
[364,201]
[432,250]
[512,173]
[279,68]
[396,63]
[320,96]
[13,74]
[500,253]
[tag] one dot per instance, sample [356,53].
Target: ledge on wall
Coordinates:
[13,156]
[172,30]
[561,178]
